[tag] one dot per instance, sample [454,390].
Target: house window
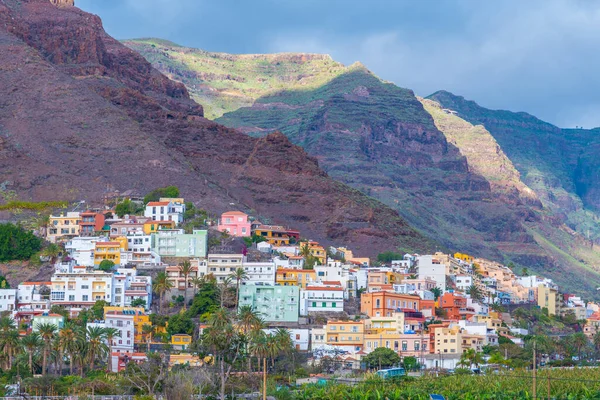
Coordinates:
[314,304]
[404,345]
[324,304]
[333,305]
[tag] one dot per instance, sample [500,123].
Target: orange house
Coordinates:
[455,306]
[384,304]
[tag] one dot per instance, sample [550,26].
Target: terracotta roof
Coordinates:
[157,203]
[332,283]
[234,213]
[108,243]
[36,283]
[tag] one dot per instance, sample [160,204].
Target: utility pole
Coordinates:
[548,376]
[265,378]
[534,389]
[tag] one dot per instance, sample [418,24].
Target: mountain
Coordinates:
[451,178]
[560,165]
[80,113]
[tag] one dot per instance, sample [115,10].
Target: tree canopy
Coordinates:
[381,357]
[16,243]
[156,194]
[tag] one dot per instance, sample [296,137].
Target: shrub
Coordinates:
[16,243]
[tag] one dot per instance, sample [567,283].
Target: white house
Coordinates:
[430,267]
[291,262]
[81,289]
[336,271]
[81,249]
[318,338]
[260,271]
[463,282]
[29,296]
[8,299]
[323,297]
[165,210]
[123,321]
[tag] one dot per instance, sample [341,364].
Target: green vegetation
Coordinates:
[156,194]
[16,205]
[16,243]
[381,357]
[4,283]
[128,207]
[518,384]
[388,257]
[106,265]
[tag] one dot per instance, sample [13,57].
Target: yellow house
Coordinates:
[465,257]
[107,251]
[276,235]
[154,226]
[295,277]
[63,226]
[349,334]
[140,318]
[549,298]
[181,341]
[317,251]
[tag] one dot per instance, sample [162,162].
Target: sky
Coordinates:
[538,56]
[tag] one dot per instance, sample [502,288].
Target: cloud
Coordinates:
[538,57]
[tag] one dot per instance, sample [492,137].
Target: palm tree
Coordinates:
[197,283]
[95,343]
[597,341]
[259,346]
[223,289]
[185,268]
[161,285]
[249,320]
[579,341]
[52,251]
[147,331]
[47,332]
[239,276]
[31,343]
[11,343]
[111,334]
[67,336]
[474,292]
[437,292]
[6,324]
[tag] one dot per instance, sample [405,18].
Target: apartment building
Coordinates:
[81,249]
[91,223]
[549,298]
[34,295]
[8,300]
[176,243]
[322,297]
[63,226]
[378,304]
[433,267]
[81,289]
[296,277]
[275,303]
[346,335]
[222,266]
[259,271]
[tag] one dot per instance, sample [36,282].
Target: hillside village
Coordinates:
[135,272]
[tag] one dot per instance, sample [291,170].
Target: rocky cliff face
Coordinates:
[79,113]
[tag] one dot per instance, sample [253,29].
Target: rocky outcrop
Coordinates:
[79,113]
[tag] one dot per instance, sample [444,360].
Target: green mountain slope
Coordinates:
[560,165]
[448,177]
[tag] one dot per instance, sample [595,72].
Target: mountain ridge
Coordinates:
[461,187]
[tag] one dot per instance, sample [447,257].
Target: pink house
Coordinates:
[235,223]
